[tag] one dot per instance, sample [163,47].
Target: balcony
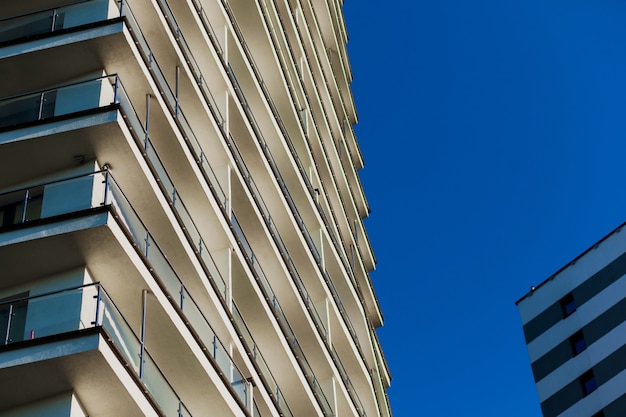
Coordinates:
[107,92]
[76,213]
[72,333]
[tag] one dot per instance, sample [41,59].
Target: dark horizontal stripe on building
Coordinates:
[616,408]
[592,332]
[573,392]
[583,293]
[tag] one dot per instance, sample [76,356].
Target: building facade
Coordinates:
[181,224]
[575,329]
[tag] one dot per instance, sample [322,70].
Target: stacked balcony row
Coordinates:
[178,103]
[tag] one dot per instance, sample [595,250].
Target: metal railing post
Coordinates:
[98,298]
[145,144]
[147,240]
[42,97]
[142,352]
[177,106]
[54,20]
[115,87]
[106,187]
[26,196]
[6,337]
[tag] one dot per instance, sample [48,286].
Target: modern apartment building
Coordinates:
[180,212]
[575,329]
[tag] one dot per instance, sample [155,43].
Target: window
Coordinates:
[588,382]
[577,342]
[568,306]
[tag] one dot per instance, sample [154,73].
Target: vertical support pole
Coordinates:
[8,330]
[106,185]
[145,144]
[228,291]
[249,396]
[352,254]
[177,90]
[115,87]
[144,299]
[25,205]
[42,98]
[54,20]
[98,297]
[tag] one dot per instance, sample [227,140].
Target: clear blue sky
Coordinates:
[494,134]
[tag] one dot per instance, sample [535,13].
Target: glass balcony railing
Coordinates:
[191,61]
[142,138]
[46,100]
[195,240]
[173,104]
[100,189]
[273,388]
[305,233]
[56,102]
[177,111]
[300,221]
[85,307]
[285,133]
[52,20]
[282,319]
[199,79]
[181,297]
[333,236]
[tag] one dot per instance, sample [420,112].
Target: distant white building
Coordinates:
[575,329]
[180,212]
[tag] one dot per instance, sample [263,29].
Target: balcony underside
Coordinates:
[43,149]
[98,46]
[83,363]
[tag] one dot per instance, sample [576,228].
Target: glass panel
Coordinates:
[213,272]
[42,105]
[54,314]
[159,387]
[117,199]
[26,26]
[240,386]
[20,110]
[162,267]
[221,357]
[187,222]
[52,20]
[198,322]
[282,320]
[121,334]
